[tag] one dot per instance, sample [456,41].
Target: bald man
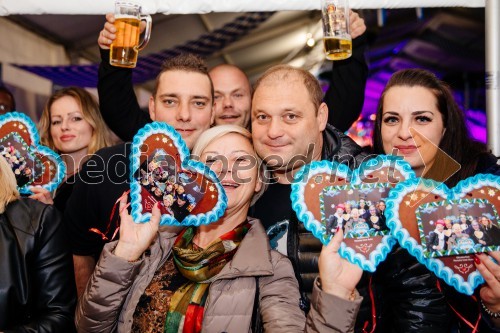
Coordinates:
[233,95]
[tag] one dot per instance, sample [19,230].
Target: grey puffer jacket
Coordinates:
[111,297]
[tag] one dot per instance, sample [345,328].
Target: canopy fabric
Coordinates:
[11,7]
[149,66]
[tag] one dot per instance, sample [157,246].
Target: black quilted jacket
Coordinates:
[407,296]
[405,293]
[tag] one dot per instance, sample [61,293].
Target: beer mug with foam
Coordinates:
[336,29]
[126,46]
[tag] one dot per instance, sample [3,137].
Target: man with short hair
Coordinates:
[289,129]
[183,98]
[233,95]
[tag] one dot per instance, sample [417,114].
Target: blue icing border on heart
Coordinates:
[135,188]
[297,194]
[475,182]
[37,147]
[21,117]
[406,241]
[61,168]
[316,228]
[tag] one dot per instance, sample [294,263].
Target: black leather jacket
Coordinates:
[407,298]
[37,288]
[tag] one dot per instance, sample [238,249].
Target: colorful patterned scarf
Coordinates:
[200,266]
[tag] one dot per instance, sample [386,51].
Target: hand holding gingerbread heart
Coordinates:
[32,163]
[188,192]
[327,195]
[443,228]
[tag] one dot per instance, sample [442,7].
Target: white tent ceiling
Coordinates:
[11,7]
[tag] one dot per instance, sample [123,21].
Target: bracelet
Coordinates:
[490,313]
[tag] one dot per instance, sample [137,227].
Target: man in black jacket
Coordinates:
[289,129]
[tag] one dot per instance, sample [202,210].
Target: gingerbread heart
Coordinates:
[442,228]
[32,163]
[326,195]
[189,192]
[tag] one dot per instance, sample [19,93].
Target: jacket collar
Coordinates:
[331,141]
[18,212]
[339,147]
[253,257]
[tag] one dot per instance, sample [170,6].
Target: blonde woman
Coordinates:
[37,291]
[217,277]
[71,125]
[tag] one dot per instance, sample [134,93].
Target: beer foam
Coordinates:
[125,16]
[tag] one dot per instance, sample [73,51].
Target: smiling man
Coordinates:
[182,97]
[233,95]
[289,129]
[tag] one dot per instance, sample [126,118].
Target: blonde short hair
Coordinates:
[219,131]
[8,185]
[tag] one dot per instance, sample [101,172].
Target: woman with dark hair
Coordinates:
[477,234]
[453,139]
[37,289]
[418,118]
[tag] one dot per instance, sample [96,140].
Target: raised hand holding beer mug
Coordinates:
[125,48]
[336,29]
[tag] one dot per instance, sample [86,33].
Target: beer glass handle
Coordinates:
[147,32]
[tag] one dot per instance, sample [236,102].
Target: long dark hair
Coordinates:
[455,142]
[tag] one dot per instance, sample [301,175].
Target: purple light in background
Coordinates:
[399,47]
[475,119]
[476,123]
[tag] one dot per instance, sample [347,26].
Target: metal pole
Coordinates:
[492,13]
